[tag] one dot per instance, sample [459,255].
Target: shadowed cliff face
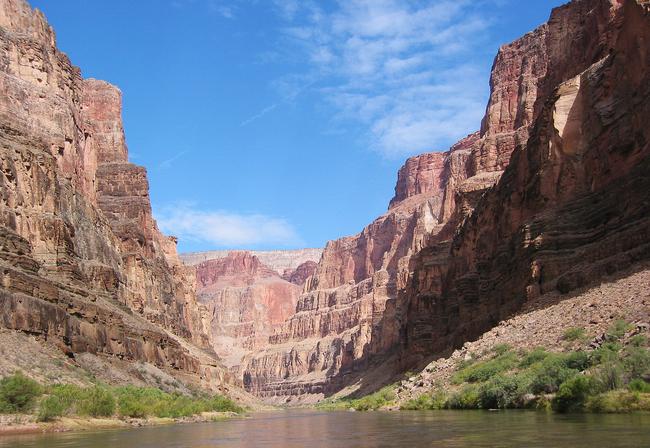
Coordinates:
[573,205]
[83,264]
[464,245]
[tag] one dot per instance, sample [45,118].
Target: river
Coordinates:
[314,429]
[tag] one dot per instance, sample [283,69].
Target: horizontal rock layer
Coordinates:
[523,206]
[83,264]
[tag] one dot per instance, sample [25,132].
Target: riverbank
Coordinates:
[27,406]
[606,373]
[28,424]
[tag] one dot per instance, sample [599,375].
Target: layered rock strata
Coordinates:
[83,264]
[246,300]
[573,204]
[464,245]
[278,260]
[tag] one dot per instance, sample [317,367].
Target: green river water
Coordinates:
[314,429]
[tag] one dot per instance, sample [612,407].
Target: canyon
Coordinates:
[549,196]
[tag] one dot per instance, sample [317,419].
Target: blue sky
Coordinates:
[282,123]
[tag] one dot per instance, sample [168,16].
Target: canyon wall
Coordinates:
[246,301]
[278,260]
[524,206]
[573,204]
[83,263]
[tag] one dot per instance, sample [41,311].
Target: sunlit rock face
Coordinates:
[526,205]
[246,300]
[83,263]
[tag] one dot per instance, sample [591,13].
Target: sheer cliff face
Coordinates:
[455,253]
[83,263]
[246,300]
[573,204]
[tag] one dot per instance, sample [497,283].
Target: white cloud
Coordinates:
[226,229]
[167,163]
[397,66]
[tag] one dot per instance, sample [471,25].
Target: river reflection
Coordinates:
[288,429]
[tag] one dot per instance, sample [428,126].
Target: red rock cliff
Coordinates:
[455,253]
[82,261]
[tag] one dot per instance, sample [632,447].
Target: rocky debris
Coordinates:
[543,323]
[82,263]
[524,207]
[572,205]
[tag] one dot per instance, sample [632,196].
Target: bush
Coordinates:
[97,402]
[533,357]
[501,392]
[18,393]
[609,376]
[483,371]
[619,401]
[50,408]
[638,385]
[467,398]
[549,374]
[574,393]
[618,329]
[426,402]
[574,334]
[636,361]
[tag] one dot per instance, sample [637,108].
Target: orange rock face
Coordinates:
[463,244]
[246,300]
[82,261]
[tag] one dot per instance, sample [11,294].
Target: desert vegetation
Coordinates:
[22,395]
[613,377]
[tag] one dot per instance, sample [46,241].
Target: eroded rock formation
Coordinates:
[526,205]
[83,264]
[246,301]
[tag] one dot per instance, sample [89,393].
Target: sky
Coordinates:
[279,124]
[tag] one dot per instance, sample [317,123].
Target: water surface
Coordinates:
[314,429]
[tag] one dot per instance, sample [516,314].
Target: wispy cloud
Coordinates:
[291,92]
[396,66]
[167,163]
[226,229]
[259,115]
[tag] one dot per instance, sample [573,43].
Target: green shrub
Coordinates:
[483,371]
[607,352]
[609,376]
[533,357]
[501,392]
[374,401]
[574,334]
[619,401]
[18,393]
[636,361]
[638,385]
[618,329]
[550,373]
[426,402]
[466,398]
[577,360]
[501,349]
[97,402]
[574,393]
[50,408]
